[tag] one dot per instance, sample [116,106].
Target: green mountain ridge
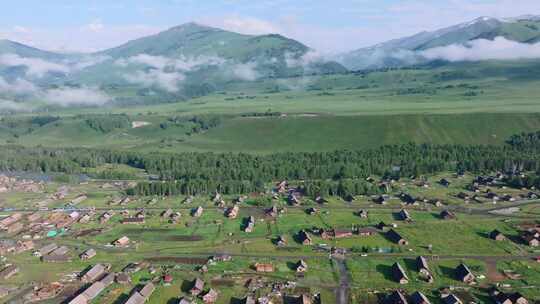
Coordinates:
[404,51]
[182,62]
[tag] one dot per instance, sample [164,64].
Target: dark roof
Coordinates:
[396,297]
[421,263]
[462,271]
[419,298]
[398,272]
[394,236]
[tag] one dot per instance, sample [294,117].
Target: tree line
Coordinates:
[340,172]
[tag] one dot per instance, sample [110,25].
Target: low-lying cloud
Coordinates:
[17,87]
[35,67]
[66,97]
[11,106]
[245,71]
[482,49]
[169,73]
[157,78]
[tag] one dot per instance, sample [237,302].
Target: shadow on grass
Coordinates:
[448,272]
[386,271]
[121,299]
[186,286]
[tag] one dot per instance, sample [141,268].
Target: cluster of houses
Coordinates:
[13,184]
[498,297]
[44,292]
[197,290]
[8,246]
[171,216]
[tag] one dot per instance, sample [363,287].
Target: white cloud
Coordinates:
[94,26]
[75,97]
[245,71]
[86,61]
[165,73]
[11,106]
[18,87]
[158,78]
[482,49]
[244,25]
[34,66]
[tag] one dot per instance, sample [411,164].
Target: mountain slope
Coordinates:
[12,47]
[404,51]
[185,61]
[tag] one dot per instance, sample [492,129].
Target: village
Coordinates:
[453,239]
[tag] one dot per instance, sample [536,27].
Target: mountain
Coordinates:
[12,47]
[182,62]
[406,51]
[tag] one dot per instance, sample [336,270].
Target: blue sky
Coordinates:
[328,26]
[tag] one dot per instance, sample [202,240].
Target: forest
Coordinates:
[340,172]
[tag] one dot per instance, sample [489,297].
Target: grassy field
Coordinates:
[166,246]
[475,103]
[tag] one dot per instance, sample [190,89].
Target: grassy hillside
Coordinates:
[303,132]
[468,103]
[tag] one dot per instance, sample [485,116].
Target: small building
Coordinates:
[451,299]
[301,266]
[281,241]
[88,254]
[232,212]
[464,274]
[197,212]
[312,211]
[447,215]
[121,242]
[396,297]
[366,231]
[211,296]
[264,267]
[167,213]
[62,250]
[509,298]
[222,258]
[136,298]
[94,290]
[79,299]
[197,288]
[497,235]
[304,238]
[9,272]
[15,228]
[404,215]
[422,264]
[363,213]
[272,211]
[147,290]
[336,234]
[396,238]
[399,274]
[108,279]
[444,182]
[85,218]
[123,278]
[94,273]
[293,200]
[250,224]
[54,258]
[419,298]
[168,279]
[133,220]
